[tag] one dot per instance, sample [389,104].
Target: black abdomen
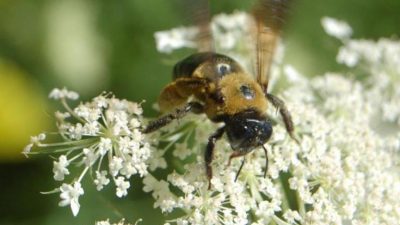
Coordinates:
[188,65]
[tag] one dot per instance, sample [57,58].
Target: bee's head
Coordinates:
[247,130]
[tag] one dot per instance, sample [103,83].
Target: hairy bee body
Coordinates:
[216,85]
[218,82]
[226,94]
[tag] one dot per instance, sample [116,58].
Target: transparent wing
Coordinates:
[199,12]
[269,18]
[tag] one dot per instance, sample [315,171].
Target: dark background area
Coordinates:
[95,46]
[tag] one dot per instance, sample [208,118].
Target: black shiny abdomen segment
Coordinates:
[188,65]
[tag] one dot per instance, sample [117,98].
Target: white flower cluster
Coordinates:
[336,28]
[379,61]
[103,137]
[176,38]
[122,222]
[346,169]
[231,35]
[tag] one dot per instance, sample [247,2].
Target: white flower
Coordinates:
[63,93]
[181,151]
[101,180]
[347,57]
[127,145]
[27,150]
[291,216]
[75,132]
[122,186]
[105,222]
[228,31]
[128,169]
[268,208]
[90,156]
[102,135]
[176,38]
[340,170]
[115,165]
[70,195]
[135,123]
[61,116]
[336,28]
[293,75]
[105,145]
[60,168]
[157,161]
[35,141]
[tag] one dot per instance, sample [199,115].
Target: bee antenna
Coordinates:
[266,160]
[240,169]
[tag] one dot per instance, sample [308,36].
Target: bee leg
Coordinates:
[287,118]
[209,153]
[154,125]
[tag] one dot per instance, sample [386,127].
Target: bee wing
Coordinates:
[269,18]
[199,12]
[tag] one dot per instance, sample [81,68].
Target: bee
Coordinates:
[226,93]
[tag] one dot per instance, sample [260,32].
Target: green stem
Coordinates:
[78,142]
[59,150]
[83,173]
[75,157]
[301,205]
[279,221]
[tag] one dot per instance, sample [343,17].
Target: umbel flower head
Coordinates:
[346,169]
[102,137]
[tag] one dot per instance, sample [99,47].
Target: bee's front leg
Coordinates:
[209,153]
[154,125]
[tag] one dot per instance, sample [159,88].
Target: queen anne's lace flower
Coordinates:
[101,179]
[345,170]
[122,186]
[69,195]
[60,168]
[97,136]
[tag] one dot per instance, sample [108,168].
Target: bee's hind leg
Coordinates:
[287,118]
[154,125]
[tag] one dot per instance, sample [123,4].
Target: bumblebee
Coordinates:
[223,91]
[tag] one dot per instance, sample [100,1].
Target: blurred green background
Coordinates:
[92,46]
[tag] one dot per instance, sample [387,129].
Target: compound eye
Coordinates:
[223,69]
